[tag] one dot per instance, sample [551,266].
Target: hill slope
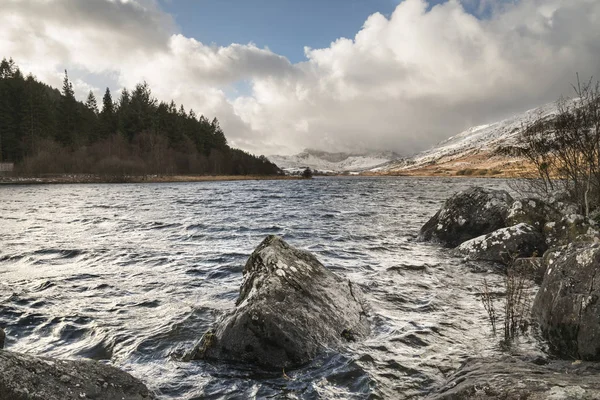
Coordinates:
[473,151]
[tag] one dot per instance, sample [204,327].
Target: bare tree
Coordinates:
[565,148]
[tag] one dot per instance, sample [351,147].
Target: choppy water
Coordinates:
[134,273]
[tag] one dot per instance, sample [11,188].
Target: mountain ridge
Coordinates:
[332,162]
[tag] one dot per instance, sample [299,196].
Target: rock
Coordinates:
[289,309]
[569,228]
[505,244]
[468,214]
[531,211]
[567,305]
[2,338]
[509,377]
[26,377]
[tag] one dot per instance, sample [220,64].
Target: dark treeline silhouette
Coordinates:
[46,131]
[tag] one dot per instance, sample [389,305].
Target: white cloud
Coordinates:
[402,83]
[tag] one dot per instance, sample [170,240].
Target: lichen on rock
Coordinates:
[567,305]
[505,245]
[468,214]
[290,308]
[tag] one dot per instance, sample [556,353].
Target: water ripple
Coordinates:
[135,274]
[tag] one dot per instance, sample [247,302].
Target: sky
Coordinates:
[336,75]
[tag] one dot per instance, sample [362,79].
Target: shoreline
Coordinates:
[95,179]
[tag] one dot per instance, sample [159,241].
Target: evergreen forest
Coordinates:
[47,131]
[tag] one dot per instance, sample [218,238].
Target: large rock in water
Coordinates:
[289,309]
[567,305]
[505,245]
[26,377]
[507,378]
[468,214]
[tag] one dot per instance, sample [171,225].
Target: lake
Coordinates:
[134,274]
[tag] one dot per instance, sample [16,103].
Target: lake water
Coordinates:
[134,274]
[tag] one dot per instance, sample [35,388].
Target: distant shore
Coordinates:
[87,178]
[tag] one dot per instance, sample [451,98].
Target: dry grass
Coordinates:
[483,164]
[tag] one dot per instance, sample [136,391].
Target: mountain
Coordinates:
[324,162]
[474,151]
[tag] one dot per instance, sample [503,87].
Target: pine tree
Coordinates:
[91,103]
[107,103]
[108,118]
[68,114]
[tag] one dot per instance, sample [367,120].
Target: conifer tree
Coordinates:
[108,119]
[91,103]
[68,114]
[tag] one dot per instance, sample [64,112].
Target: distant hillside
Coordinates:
[475,151]
[325,162]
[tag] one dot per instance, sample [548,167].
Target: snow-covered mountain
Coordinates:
[463,149]
[325,162]
[473,151]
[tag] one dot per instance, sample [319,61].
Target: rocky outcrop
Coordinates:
[567,305]
[532,211]
[468,214]
[505,245]
[508,377]
[26,377]
[289,309]
[569,228]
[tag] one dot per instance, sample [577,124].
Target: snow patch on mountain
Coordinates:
[326,162]
[479,139]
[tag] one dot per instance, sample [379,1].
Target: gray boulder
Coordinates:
[507,377]
[567,305]
[505,244]
[289,309]
[26,377]
[568,229]
[468,214]
[532,211]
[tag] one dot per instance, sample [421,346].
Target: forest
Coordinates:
[47,131]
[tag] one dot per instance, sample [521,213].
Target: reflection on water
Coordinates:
[134,274]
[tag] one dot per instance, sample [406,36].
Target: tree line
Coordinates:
[47,131]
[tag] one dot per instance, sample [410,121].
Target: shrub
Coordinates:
[565,148]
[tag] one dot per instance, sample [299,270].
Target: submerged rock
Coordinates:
[508,377]
[567,305]
[468,214]
[289,309]
[26,377]
[505,245]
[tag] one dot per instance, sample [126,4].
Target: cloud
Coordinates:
[402,83]
[423,74]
